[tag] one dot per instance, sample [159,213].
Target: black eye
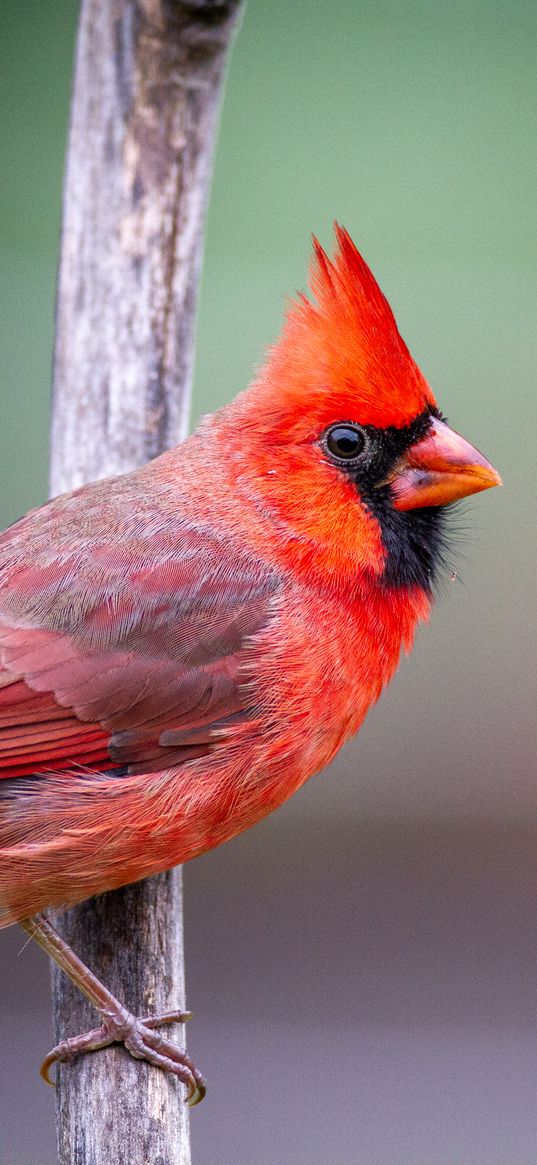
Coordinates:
[345,441]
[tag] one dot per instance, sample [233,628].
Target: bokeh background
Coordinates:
[363,965]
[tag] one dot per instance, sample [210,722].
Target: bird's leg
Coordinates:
[119,1025]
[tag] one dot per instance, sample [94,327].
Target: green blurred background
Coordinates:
[363,965]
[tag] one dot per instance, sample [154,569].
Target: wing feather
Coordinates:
[123,647]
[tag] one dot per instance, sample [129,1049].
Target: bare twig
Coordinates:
[145,105]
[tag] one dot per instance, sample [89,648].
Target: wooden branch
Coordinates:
[145,105]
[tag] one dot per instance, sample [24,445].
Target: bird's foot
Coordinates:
[142,1040]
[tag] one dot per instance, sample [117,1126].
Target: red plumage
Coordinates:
[214,626]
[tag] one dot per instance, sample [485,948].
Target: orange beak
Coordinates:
[440,469]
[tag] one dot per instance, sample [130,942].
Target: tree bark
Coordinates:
[147,87]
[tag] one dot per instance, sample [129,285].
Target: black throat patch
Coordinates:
[414,540]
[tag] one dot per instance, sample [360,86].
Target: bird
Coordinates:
[184,645]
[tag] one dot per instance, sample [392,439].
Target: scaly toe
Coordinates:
[168,1017]
[92,1041]
[144,1042]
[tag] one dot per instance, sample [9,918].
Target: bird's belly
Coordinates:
[72,838]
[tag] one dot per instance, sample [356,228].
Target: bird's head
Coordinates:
[340,439]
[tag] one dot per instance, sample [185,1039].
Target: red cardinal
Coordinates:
[183,646]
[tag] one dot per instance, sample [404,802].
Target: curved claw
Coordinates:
[142,1039]
[94,1040]
[199,1093]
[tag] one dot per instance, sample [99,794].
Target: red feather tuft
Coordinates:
[342,354]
